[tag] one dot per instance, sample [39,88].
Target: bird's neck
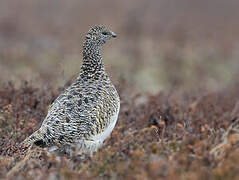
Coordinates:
[92,60]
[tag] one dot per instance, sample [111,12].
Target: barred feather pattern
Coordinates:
[85,114]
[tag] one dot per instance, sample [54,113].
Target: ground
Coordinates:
[164,136]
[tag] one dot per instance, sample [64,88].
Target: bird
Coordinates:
[86,112]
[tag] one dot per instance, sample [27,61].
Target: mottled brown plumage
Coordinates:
[86,112]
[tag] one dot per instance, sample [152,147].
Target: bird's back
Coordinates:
[82,111]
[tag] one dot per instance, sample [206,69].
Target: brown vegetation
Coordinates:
[175,64]
[168,136]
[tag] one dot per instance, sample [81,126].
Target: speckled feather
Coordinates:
[86,112]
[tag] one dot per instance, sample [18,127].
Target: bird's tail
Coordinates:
[36,138]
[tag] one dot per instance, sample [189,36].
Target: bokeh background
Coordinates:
[161,44]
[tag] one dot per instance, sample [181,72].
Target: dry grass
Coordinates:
[167,136]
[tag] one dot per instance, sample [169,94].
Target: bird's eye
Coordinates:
[104,33]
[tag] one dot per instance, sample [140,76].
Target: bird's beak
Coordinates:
[113,35]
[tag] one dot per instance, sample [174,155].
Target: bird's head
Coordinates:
[98,35]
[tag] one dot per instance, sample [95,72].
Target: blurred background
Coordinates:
[161,44]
